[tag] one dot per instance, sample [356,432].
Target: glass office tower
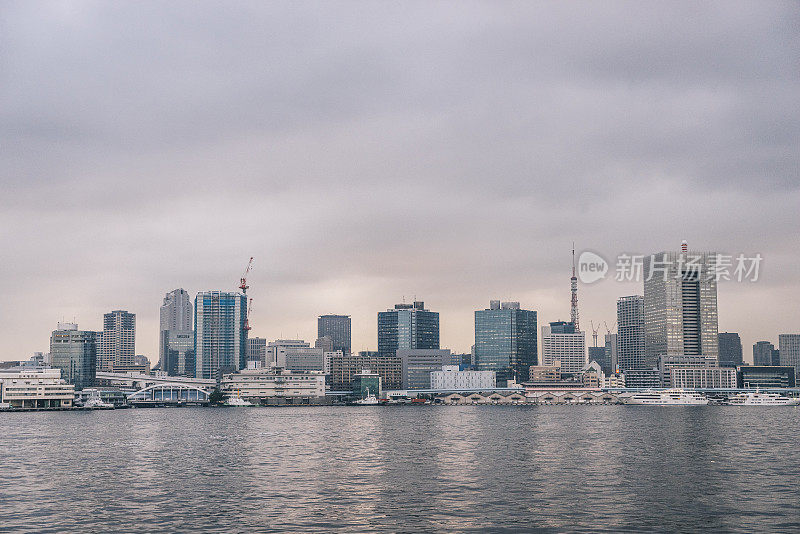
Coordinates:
[75,353]
[220,338]
[506,341]
[630,333]
[680,305]
[407,326]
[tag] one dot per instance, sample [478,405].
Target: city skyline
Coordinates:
[455,161]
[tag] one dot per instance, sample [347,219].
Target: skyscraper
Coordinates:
[730,349]
[564,345]
[257,350]
[75,353]
[763,352]
[611,351]
[630,333]
[220,338]
[175,315]
[118,346]
[337,327]
[178,356]
[680,305]
[789,347]
[506,340]
[407,326]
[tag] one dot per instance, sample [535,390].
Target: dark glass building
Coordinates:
[506,341]
[602,357]
[75,353]
[765,353]
[407,326]
[730,349]
[755,376]
[336,327]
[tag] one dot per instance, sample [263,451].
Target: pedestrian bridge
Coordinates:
[169,395]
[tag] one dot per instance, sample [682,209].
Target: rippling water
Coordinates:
[459,468]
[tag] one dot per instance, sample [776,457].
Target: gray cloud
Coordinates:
[368,151]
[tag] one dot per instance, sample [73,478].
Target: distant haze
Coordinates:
[366,152]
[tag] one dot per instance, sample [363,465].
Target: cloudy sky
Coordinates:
[366,152]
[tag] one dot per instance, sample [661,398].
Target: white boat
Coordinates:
[761,399]
[94,402]
[238,401]
[369,399]
[668,397]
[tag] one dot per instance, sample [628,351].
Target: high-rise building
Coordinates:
[680,305]
[175,314]
[611,352]
[220,334]
[599,355]
[407,326]
[730,349]
[563,345]
[75,353]
[630,333]
[177,352]
[276,350]
[337,327]
[764,353]
[118,346]
[506,341]
[789,348]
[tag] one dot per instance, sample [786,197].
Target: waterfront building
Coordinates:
[643,378]
[407,326]
[118,344]
[257,350]
[257,385]
[74,352]
[451,377]
[762,376]
[614,381]
[703,377]
[680,305]
[276,351]
[177,352]
[562,343]
[544,373]
[367,383]
[789,351]
[506,340]
[730,349]
[175,314]
[35,387]
[630,333]
[220,344]
[337,328]
[416,366]
[762,353]
[343,367]
[667,363]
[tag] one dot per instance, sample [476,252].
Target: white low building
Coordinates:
[451,378]
[34,387]
[273,382]
[703,377]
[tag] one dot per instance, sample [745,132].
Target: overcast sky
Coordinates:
[364,152]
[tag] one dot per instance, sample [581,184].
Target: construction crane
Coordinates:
[243,285]
[608,330]
[594,332]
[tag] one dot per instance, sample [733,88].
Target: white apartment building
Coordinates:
[703,377]
[451,378]
[36,387]
[568,347]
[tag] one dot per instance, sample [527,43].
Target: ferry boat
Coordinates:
[668,397]
[94,402]
[761,399]
[238,401]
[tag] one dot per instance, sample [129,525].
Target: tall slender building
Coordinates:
[789,351]
[730,349]
[75,353]
[630,333]
[337,327]
[506,340]
[407,326]
[118,346]
[220,337]
[763,353]
[680,305]
[176,317]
